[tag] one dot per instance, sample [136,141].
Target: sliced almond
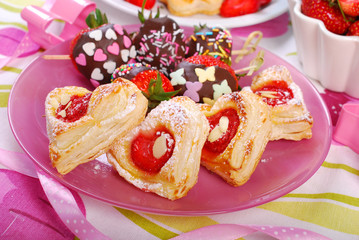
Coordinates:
[223,124]
[64,99]
[160,146]
[215,134]
[268,94]
[68,105]
[54,103]
[62,113]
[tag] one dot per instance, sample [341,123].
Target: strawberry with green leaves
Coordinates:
[153,84]
[99,49]
[328,12]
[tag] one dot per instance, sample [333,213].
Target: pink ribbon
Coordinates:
[15,43]
[61,198]
[235,231]
[346,130]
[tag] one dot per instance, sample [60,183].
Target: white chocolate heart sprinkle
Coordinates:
[97,75]
[96,34]
[89,48]
[110,34]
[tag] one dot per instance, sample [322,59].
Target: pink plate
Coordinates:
[285,165]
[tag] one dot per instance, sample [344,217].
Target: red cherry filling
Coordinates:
[74,109]
[220,144]
[275,93]
[151,150]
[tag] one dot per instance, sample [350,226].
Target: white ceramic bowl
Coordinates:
[331,59]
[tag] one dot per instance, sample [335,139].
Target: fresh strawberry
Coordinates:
[263,3]
[153,84]
[148,4]
[233,8]
[209,61]
[350,7]
[354,29]
[330,14]
[143,79]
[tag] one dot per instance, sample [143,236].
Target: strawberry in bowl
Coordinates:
[326,43]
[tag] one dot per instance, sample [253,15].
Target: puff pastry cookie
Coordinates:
[191,7]
[289,115]
[240,130]
[109,112]
[162,155]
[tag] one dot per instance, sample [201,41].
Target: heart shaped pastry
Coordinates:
[81,125]
[240,130]
[162,155]
[289,115]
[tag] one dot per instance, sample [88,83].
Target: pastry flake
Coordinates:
[240,130]
[112,110]
[191,7]
[162,155]
[289,115]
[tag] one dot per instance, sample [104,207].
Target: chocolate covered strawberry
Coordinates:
[213,41]
[160,42]
[204,78]
[98,50]
[153,84]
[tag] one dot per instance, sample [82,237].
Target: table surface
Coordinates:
[328,203]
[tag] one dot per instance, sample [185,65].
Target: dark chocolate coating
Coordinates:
[131,70]
[160,42]
[215,41]
[100,51]
[206,90]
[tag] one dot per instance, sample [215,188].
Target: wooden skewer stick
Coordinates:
[249,46]
[56,57]
[254,65]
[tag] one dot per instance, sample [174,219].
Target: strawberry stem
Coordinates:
[156,93]
[141,15]
[96,19]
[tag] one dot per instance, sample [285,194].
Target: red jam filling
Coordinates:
[221,144]
[275,93]
[74,109]
[142,150]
